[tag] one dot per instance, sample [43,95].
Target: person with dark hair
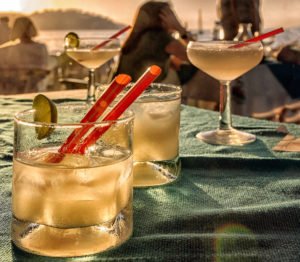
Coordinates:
[151,42]
[234,12]
[4,29]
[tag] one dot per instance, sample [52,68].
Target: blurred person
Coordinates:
[151,42]
[286,46]
[4,29]
[24,62]
[235,13]
[22,51]
[231,13]
[286,50]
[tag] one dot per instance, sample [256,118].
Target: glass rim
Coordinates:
[89,42]
[224,42]
[175,90]
[127,116]
[99,37]
[85,48]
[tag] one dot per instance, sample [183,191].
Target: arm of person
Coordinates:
[178,49]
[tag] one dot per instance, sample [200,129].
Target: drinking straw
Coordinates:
[259,38]
[115,87]
[123,30]
[142,83]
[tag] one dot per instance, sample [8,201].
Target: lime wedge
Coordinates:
[45,112]
[71,40]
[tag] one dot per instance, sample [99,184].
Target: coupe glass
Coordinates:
[225,63]
[91,58]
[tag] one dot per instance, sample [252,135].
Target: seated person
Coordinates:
[23,61]
[233,12]
[22,51]
[4,29]
[151,42]
[285,49]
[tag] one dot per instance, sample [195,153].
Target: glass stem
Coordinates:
[225,106]
[91,87]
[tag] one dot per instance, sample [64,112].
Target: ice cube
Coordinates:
[28,191]
[74,160]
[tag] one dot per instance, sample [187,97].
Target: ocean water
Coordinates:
[54,39]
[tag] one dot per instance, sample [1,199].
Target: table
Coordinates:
[230,203]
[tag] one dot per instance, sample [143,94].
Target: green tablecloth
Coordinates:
[230,203]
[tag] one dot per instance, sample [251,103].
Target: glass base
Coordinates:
[70,242]
[231,137]
[155,173]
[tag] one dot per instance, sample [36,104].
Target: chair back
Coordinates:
[287,113]
[22,80]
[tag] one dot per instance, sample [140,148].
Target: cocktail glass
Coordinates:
[81,204]
[225,63]
[156,135]
[91,58]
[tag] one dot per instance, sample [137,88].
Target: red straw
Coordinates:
[116,86]
[112,37]
[143,82]
[259,38]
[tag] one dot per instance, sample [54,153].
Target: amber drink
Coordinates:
[86,54]
[156,135]
[225,61]
[79,205]
[92,58]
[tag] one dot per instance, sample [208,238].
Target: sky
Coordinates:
[275,13]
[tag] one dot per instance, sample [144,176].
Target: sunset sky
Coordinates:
[274,12]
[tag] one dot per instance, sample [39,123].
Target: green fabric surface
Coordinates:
[230,203]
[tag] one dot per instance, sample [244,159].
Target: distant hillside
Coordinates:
[67,20]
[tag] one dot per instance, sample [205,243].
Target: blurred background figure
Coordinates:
[24,51]
[286,46]
[151,41]
[4,29]
[235,13]
[24,62]
[237,20]
[284,56]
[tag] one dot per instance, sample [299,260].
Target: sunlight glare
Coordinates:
[11,5]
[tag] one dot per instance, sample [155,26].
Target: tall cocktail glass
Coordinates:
[225,63]
[91,58]
[81,204]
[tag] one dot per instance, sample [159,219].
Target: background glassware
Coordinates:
[244,32]
[156,135]
[225,64]
[92,59]
[80,205]
[218,31]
